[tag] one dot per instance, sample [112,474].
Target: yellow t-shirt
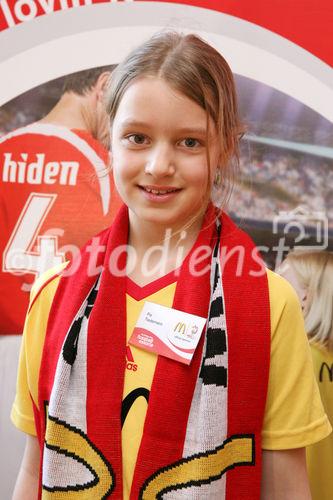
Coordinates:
[294,416]
[320,455]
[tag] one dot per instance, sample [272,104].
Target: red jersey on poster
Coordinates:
[56,192]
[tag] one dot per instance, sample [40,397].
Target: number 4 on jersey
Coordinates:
[18,258]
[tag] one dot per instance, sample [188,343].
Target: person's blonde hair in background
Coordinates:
[311,274]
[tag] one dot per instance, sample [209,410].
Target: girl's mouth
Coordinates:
[159,193]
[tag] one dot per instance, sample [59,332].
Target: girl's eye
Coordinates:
[136,139]
[191,143]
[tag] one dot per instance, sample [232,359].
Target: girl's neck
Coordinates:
[158,249]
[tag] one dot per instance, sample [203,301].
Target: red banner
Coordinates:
[307,23]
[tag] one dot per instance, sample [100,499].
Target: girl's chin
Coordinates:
[166,218]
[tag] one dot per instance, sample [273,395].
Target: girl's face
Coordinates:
[158,145]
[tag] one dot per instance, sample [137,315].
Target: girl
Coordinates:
[311,274]
[114,420]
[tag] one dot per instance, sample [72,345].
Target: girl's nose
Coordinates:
[160,162]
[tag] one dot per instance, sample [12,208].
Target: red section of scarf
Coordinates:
[248,328]
[107,355]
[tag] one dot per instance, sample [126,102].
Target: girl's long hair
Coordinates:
[314,271]
[194,68]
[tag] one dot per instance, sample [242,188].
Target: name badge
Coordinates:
[168,332]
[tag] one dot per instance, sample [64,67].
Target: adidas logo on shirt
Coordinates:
[130,364]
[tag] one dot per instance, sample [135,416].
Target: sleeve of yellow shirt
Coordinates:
[294,415]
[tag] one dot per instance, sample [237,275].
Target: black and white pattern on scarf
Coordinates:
[213,370]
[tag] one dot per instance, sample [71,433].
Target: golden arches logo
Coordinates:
[201,468]
[68,441]
[180,327]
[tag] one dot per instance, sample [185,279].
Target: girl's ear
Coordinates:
[220,164]
[218,177]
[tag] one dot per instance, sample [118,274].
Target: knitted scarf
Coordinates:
[202,432]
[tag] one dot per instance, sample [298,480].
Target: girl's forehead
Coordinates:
[152,84]
[158,92]
[152,100]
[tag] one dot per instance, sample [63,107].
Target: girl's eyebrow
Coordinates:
[133,123]
[181,130]
[192,130]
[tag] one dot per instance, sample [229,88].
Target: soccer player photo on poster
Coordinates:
[56,185]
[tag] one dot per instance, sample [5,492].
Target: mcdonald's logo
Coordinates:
[180,327]
[329,371]
[94,476]
[200,468]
